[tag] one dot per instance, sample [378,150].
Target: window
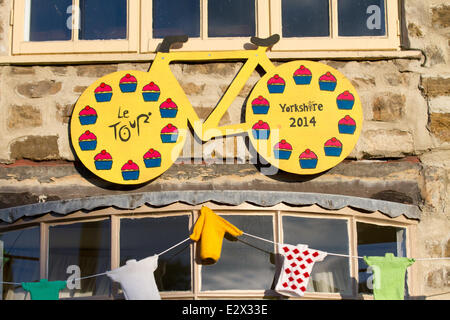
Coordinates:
[246,269]
[75,26]
[86,246]
[19,258]
[113,26]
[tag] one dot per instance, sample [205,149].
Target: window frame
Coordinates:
[335,42]
[20,46]
[278,211]
[204,43]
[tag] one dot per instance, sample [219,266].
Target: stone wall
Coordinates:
[403,154]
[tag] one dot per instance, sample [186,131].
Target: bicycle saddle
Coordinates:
[265,42]
[168,41]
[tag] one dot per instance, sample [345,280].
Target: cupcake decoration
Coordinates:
[128,83]
[260,105]
[103,161]
[327,82]
[103,93]
[333,148]
[276,84]
[261,130]
[308,160]
[169,134]
[282,150]
[302,76]
[347,125]
[168,109]
[130,171]
[345,101]
[151,92]
[152,159]
[87,116]
[87,141]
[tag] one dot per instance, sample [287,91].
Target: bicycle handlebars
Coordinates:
[168,41]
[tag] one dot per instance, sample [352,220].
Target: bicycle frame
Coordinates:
[210,127]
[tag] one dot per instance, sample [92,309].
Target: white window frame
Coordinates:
[335,42]
[204,43]
[20,27]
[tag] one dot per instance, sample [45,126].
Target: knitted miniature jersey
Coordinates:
[210,230]
[44,289]
[298,262]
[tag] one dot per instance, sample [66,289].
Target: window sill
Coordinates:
[147,57]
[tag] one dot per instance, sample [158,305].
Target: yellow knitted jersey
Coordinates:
[210,230]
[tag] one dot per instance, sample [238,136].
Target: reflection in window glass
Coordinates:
[20,261]
[329,235]
[49,20]
[86,245]
[141,238]
[231,18]
[374,240]
[103,19]
[361,18]
[174,17]
[305,18]
[246,263]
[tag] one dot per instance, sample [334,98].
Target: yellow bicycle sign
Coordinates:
[129,127]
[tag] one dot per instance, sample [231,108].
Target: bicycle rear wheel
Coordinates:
[305,117]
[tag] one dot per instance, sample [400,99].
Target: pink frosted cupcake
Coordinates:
[152,159]
[103,93]
[260,105]
[103,161]
[128,83]
[347,125]
[169,134]
[276,84]
[168,109]
[345,101]
[87,116]
[308,160]
[282,150]
[327,82]
[333,148]
[151,92]
[261,130]
[87,141]
[302,76]
[130,171]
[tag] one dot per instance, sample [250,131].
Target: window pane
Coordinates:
[141,238]
[242,265]
[361,18]
[103,19]
[374,240]
[174,17]
[231,18]
[86,245]
[329,235]
[305,18]
[49,20]
[20,255]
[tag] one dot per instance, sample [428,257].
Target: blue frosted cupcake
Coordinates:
[103,161]
[333,148]
[327,82]
[87,141]
[168,109]
[152,159]
[130,171]
[302,76]
[260,105]
[87,116]
[276,84]
[103,93]
[345,101]
[128,83]
[308,160]
[151,92]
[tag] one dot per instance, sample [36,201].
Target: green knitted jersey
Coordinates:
[44,289]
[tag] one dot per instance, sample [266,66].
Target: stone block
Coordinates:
[35,148]
[25,116]
[440,126]
[440,16]
[95,71]
[39,89]
[388,107]
[385,143]
[436,86]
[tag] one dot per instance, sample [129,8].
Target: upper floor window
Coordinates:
[137,26]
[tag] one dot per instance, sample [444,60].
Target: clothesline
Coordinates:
[245,233]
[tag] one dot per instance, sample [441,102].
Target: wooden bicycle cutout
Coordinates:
[129,127]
